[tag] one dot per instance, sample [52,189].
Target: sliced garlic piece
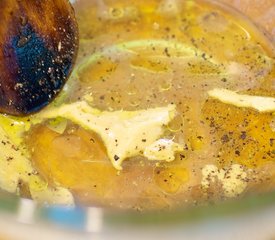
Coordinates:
[262,104]
[163,150]
[125,133]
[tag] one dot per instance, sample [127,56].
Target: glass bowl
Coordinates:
[250,217]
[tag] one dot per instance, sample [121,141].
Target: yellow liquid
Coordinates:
[144,54]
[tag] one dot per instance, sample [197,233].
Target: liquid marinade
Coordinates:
[136,55]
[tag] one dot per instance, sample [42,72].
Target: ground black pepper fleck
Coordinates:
[166,51]
[225,138]
[243,135]
[237,152]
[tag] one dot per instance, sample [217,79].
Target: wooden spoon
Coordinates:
[38,48]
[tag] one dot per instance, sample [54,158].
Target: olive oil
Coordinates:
[136,55]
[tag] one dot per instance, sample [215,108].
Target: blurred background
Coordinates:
[23,220]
